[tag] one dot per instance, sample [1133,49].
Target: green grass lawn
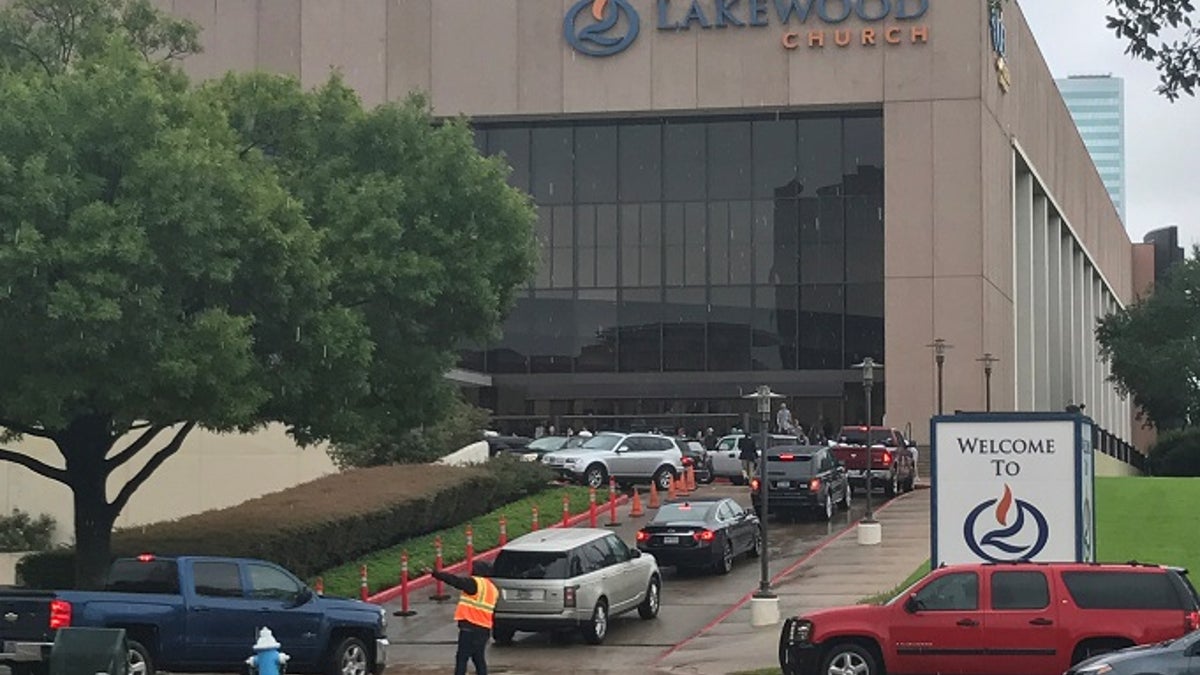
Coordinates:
[1148,520]
[880,598]
[383,567]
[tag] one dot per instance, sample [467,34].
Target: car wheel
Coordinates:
[649,607]
[725,564]
[848,657]
[663,478]
[595,476]
[892,487]
[709,476]
[503,635]
[349,658]
[827,511]
[847,497]
[756,547]
[738,480]
[140,660]
[597,629]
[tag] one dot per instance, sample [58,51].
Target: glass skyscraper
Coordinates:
[1097,104]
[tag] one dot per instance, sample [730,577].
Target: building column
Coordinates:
[1070,347]
[1079,314]
[1023,269]
[1093,391]
[1041,304]
[1054,313]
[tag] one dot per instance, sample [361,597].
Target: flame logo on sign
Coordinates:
[597,38]
[1022,539]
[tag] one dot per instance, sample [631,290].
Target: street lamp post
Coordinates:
[764,605]
[940,346]
[869,530]
[988,361]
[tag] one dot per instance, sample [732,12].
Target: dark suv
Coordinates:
[803,477]
[1026,618]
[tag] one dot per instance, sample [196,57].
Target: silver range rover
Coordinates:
[577,579]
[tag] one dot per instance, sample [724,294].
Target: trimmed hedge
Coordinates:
[1177,453]
[321,524]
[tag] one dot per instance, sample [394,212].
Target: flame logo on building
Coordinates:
[599,34]
[1019,532]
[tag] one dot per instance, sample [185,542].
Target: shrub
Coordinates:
[1177,453]
[321,524]
[22,532]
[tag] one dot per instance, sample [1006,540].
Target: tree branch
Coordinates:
[34,465]
[135,447]
[25,429]
[151,466]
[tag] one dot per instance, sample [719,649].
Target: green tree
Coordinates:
[1141,24]
[162,269]
[1153,348]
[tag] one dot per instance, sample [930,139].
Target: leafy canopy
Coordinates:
[1165,33]
[1153,347]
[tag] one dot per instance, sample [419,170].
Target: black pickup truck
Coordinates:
[198,614]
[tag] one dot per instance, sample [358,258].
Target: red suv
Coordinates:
[989,619]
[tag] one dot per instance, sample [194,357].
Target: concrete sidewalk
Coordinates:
[840,573]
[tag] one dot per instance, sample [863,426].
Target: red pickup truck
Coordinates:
[986,619]
[892,462]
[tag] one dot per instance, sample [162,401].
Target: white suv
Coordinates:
[625,457]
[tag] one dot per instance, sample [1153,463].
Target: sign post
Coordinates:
[1011,487]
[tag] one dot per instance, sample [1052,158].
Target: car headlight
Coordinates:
[800,632]
[1095,669]
[382,618]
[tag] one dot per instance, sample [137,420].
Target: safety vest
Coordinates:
[478,608]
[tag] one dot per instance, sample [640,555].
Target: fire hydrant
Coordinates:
[267,659]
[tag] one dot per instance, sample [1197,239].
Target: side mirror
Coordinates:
[634,553]
[303,597]
[911,604]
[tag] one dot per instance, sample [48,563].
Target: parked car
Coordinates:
[726,462]
[892,462]
[539,447]
[1172,657]
[199,614]
[701,533]
[803,478]
[576,579]
[625,457]
[499,444]
[1027,618]
[696,455]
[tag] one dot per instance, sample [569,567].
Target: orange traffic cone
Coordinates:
[653,495]
[682,487]
[671,487]
[636,510]
[691,479]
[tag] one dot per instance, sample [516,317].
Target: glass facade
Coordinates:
[715,245]
[1097,105]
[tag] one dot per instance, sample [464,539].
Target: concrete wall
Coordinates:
[1111,466]
[211,471]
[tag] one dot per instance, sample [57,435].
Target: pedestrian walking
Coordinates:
[783,419]
[749,456]
[710,440]
[474,614]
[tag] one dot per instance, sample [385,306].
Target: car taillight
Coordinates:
[705,535]
[887,458]
[569,596]
[687,461]
[642,535]
[60,614]
[814,485]
[754,485]
[1191,621]
[787,458]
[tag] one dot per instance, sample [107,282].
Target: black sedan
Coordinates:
[1177,657]
[701,533]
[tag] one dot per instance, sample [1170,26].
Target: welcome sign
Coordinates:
[1012,487]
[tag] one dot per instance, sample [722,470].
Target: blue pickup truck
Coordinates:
[199,614]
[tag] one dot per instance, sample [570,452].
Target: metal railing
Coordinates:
[1115,447]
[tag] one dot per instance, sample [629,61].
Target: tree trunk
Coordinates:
[93,531]
[85,444]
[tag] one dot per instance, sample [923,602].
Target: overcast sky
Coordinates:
[1162,139]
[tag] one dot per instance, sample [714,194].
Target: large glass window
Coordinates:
[724,243]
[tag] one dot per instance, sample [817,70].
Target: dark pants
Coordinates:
[472,641]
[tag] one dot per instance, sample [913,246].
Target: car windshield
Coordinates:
[856,436]
[684,512]
[547,443]
[576,441]
[530,565]
[605,442]
[727,443]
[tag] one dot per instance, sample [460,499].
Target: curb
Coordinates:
[389,594]
[774,580]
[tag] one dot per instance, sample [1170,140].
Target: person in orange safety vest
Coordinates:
[476,606]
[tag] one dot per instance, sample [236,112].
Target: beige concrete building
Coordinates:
[738,192]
